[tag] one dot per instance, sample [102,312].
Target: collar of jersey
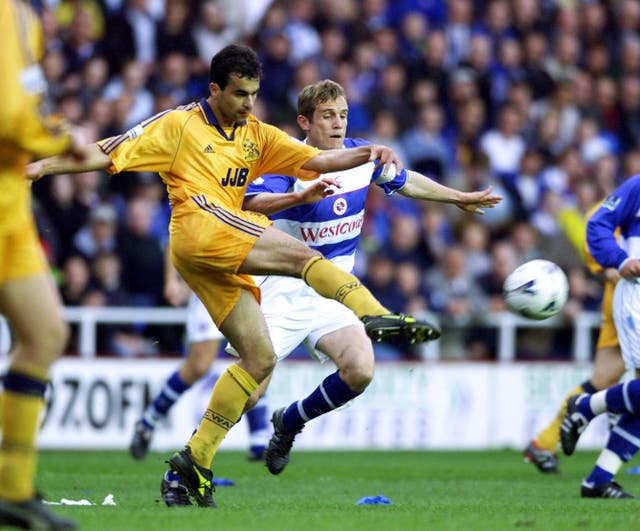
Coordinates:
[211,120]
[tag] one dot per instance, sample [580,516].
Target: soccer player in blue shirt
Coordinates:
[619,210]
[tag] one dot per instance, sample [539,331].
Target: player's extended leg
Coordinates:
[275,252]
[32,307]
[621,446]
[246,330]
[581,409]
[200,357]
[351,351]
[607,370]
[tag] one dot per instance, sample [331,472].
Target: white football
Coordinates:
[537,289]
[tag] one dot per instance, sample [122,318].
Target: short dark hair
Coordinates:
[234,59]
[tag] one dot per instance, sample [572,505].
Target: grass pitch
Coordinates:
[319,490]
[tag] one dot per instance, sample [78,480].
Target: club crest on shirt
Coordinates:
[611,202]
[251,152]
[340,206]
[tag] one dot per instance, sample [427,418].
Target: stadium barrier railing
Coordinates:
[506,324]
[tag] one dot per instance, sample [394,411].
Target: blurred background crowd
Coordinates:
[538,98]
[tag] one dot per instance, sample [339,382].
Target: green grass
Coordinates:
[319,490]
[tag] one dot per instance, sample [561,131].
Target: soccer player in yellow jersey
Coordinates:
[28,297]
[207,153]
[608,368]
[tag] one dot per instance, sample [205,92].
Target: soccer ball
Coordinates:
[537,289]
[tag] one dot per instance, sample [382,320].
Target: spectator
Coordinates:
[141,254]
[66,213]
[211,31]
[413,31]
[391,94]
[174,80]
[506,70]
[431,65]
[405,244]
[79,47]
[427,149]
[534,54]
[465,132]
[458,30]
[334,46]
[474,240]
[129,90]
[526,189]
[75,280]
[173,34]
[504,145]
[299,30]
[95,76]
[100,234]
[504,259]
[629,102]
[456,297]
[380,272]
[563,63]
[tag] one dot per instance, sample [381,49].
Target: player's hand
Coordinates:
[631,269]
[611,274]
[319,189]
[385,157]
[35,170]
[475,202]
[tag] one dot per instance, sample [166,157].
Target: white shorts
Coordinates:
[296,314]
[626,316]
[200,326]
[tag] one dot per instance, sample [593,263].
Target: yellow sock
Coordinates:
[332,282]
[549,437]
[230,394]
[20,407]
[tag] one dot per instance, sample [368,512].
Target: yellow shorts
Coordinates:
[208,245]
[608,336]
[21,254]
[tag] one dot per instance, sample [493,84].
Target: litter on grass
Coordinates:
[108,500]
[374,500]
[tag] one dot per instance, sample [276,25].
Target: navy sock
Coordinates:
[621,398]
[623,442]
[588,387]
[624,397]
[257,416]
[329,395]
[20,383]
[162,403]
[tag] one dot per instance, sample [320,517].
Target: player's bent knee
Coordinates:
[261,368]
[47,344]
[357,377]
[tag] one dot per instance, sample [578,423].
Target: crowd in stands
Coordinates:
[538,98]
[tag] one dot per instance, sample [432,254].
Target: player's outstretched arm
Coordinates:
[419,186]
[268,203]
[344,159]
[86,158]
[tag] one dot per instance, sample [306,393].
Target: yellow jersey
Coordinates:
[197,158]
[24,128]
